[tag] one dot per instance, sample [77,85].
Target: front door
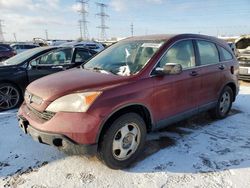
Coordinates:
[177,95]
[50,63]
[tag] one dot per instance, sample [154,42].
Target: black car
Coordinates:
[17,72]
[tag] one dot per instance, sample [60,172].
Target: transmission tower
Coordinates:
[1,31]
[132,29]
[83,22]
[103,17]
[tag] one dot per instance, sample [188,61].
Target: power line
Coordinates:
[103,17]
[83,22]
[1,31]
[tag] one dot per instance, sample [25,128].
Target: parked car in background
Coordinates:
[6,52]
[133,87]
[21,47]
[243,54]
[57,42]
[17,72]
[90,45]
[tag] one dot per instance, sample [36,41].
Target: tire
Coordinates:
[123,141]
[10,96]
[224,104]
[3,59]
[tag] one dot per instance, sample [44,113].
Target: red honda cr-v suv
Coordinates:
[133,87]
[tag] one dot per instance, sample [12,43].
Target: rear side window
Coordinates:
[208,52]
[226,55]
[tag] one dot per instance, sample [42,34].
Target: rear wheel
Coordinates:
[224,104]
[123,141]
[10,96]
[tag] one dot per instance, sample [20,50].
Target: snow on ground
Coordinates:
[198,152]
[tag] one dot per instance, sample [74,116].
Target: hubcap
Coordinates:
[126,141]
[225,103]
[9,97]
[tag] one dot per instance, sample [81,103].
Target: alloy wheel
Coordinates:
[126,141]
[225,102]
[9,97]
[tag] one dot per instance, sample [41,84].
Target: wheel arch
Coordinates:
[234,89]
[138,108]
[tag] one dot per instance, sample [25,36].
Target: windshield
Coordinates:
[19,58]
[124,58]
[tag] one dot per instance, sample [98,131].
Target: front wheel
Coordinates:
[224,104]
[10,96]
[123,141]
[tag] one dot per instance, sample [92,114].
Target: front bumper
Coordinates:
[62,142]
[82,128]
[244,73]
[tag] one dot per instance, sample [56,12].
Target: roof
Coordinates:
[151,37]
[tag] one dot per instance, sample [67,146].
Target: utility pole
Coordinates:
[80,26]
[46,34]
[83,22]
[132,29]
[14,35]
[103,17]
[1,31]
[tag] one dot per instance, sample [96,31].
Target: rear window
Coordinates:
[208,52]
[225,54]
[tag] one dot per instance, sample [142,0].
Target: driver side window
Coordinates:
[180,53]
[58,57]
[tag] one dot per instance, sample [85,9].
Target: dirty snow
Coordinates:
[198,152]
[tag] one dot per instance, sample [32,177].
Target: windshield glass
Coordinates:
[19,58]
[124,58]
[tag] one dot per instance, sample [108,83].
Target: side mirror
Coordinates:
[33,63]
[169,69]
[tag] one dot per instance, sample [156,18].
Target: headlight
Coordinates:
[77,102]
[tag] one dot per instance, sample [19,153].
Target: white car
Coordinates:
[22,47]
[90,45]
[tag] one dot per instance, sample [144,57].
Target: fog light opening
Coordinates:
[57,142]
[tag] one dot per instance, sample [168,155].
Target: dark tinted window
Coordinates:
[180,53]
[3,49]
[29,46]
[226,55]
[208,52]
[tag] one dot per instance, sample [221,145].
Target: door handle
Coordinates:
[193,73]
[221,67]
[57,67]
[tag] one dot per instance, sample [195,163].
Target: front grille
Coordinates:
[45,115]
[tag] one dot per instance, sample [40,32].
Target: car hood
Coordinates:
[56,85]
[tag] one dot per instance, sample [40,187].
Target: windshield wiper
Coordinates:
[99,69]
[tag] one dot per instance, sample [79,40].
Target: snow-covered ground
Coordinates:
[198,152]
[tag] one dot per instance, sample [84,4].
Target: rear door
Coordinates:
[50,63]
[176,95]
[211,72]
